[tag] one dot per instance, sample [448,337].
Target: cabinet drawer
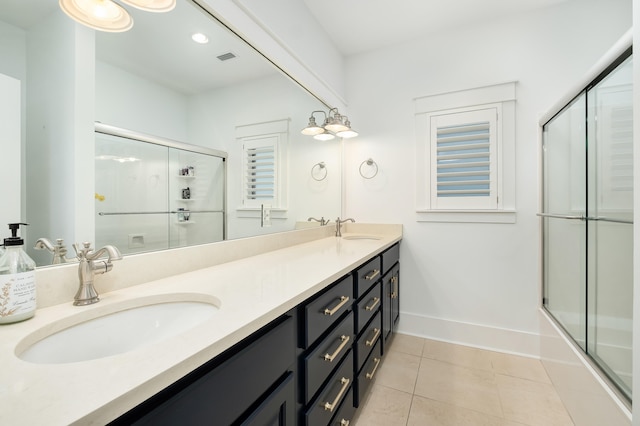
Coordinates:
[345,415]
[335,391]
[367,307]
[368,340]
[367,275]
[321,361]
[221,395]
[323,311]
[390,257]
[368,374]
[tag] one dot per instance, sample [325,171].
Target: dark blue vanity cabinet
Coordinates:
[312,366]
[252,383]
[390,292]
[326,357]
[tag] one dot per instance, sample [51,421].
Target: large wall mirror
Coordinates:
[59,78]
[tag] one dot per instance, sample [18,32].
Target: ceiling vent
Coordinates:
[226,56]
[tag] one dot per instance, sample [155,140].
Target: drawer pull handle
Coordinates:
[371,275]
[345,384]
[376,333]
[344,422]
[343,300]
[376,300]
[373,373]
[394,281]
[345,340]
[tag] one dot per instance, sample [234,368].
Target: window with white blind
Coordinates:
[465,155]
[464,159]
[260,170]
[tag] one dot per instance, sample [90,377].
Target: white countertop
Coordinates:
[251,293]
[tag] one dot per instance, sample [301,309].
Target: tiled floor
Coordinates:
[429,383]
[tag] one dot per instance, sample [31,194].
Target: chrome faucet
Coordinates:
[59,250]
[321,220]
[339,225]
[88,267]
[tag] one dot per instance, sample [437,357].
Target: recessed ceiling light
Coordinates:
[200,38]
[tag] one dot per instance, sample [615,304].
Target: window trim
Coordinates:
[252,132]
[460,101]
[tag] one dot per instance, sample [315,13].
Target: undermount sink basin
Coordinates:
[118,332]
[361,237]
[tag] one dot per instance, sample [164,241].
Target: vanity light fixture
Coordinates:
[333,125]
[109,16]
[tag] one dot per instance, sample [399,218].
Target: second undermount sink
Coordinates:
[118,332]
[361,237]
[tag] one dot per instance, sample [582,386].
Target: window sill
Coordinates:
[256,212]
[466,216]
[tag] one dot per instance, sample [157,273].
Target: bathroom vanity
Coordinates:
[329,348]
[297,337]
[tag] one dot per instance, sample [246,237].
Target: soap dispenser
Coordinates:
[17,280]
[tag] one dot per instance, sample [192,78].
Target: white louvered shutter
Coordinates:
[464,160]
[260,170]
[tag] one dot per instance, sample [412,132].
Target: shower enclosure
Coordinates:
[587,221]
[154,193]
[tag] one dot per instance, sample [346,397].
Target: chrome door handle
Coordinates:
[561,216]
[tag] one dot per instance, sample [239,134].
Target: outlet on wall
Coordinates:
[136,240]
[265,217]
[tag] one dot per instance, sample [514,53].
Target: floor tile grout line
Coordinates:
[494,370]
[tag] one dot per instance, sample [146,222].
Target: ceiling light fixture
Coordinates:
[158,6]
[109,16]
[200,38]
[333,125]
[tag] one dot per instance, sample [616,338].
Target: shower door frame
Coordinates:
[170,143]
[615,57]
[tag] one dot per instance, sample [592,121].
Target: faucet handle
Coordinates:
[82,252]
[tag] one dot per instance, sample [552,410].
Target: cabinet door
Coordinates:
[222,392]
[395,297]
[278,409]
[387,306]
[391,303]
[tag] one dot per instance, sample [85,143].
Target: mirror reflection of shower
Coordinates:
[154,194]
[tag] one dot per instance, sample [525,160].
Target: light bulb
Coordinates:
[152,5]
[102,15]
[326,136]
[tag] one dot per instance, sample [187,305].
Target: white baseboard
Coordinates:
[480,336]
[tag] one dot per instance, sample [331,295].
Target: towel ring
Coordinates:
[369,162]
[320,166]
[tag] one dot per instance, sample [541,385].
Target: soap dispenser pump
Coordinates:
[17,280]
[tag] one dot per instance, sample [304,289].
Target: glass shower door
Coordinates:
[564,228]
[131,194]
[588,221]
[610,224]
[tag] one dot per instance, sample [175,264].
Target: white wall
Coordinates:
[476,284]
[131,102]
[303,35]
[11,147]
[323,75]
[59,130]
[213,118]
